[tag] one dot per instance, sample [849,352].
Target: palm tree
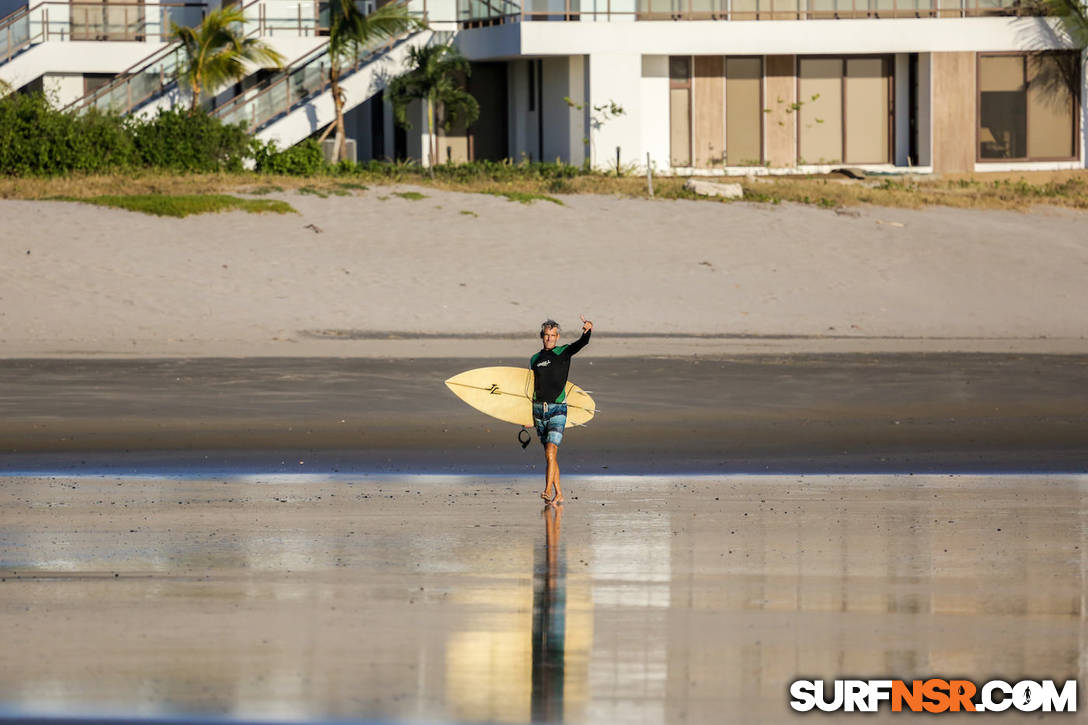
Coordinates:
[350,31]
[436,76]
[1060,73]
[216,52]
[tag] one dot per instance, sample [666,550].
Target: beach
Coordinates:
[457,274]
[829,444]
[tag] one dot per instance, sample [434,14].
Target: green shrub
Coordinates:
[304,159]
[37,139]
[195,142]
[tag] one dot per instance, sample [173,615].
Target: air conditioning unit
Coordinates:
[328,148]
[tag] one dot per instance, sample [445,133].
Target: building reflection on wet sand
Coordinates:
[649,600]
[549,620]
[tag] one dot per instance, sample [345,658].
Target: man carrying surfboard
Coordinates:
[550,368]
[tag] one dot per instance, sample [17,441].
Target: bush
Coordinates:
[304,159]
[37,139]
[181,141]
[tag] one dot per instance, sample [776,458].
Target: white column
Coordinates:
[578,114]
[654,111]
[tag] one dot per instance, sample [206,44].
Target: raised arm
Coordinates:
[587,330]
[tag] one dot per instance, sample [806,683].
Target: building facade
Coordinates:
[805,85]
[714,87]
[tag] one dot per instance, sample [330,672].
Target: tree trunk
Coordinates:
[195,87]
[430,132]
[339,145]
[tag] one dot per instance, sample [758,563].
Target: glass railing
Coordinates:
[824,9]
[475,12]
[300,82]
[14,33]
[487,10]
[90,21]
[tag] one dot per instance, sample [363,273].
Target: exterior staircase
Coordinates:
[297,103]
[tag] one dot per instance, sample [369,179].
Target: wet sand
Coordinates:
[798,413]
[452,598]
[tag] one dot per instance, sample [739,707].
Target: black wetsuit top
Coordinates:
[550,369]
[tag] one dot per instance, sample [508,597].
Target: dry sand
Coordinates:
[696,277]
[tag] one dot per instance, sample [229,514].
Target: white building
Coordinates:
[692,86]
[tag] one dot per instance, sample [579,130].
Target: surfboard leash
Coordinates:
[528,438]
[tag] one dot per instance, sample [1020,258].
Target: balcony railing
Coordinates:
[53,20]
[472,13]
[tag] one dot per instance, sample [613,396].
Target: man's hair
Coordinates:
[547,325]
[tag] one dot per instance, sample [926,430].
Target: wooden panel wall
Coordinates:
[953,112]
[780,128]
[709,90]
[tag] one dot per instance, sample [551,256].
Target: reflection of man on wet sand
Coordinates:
[549,624]
[550,368]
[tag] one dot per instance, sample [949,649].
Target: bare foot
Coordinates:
[557,500]
[545,497]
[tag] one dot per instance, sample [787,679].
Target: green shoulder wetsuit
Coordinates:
[550,369]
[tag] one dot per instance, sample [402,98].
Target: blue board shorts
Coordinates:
[550,419]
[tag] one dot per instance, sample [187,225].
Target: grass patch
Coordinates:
[1015,191]
[186,204]
[524,197]
[410,195]
[472,214]
[262,190]
[351,185]
[322,193]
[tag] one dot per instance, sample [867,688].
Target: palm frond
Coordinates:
[217,52]
[351,31]
[436,73]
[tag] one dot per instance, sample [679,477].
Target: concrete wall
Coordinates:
[779,127]
[953,83]
[784,37]
[63,88]
[616,78]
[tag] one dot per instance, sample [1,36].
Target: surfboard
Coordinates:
[507,394]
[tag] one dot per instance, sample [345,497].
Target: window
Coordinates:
[845,111]
[1027,106]
[743,111]
[680,110]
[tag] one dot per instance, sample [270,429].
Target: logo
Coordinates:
[932,695]
[494,389]
[543,363]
